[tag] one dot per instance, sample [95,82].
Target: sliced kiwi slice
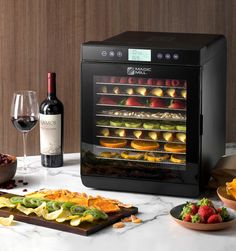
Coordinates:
[167,127]
[133,124]
[116,123]
[149,125]
[181,127]
[103,122]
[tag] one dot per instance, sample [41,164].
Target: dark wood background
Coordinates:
[37,36]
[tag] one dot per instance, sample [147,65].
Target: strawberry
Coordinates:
[123,80]
[141,81]
[160,82]
[131,80]
[168,82]
[196,218]
[177,104]
[107,101]
[205,202]
[175,83]
[156,102]
[214,218]
[133,101]
[189,208]
[223,213]
[187,218]
[150,81]
[114,80]
[205,212]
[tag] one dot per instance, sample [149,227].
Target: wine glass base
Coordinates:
[28,169]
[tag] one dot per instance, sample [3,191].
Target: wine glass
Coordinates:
[24,116]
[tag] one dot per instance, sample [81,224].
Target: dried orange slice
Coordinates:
[152,157]
[175,148]
[144,145]
[113,143]
[178,159]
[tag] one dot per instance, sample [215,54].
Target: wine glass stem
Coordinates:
[24,147]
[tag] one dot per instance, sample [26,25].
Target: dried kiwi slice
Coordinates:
[151,125]
[116,122]
[167,127]
[133,124]
[181,127]
[103,122]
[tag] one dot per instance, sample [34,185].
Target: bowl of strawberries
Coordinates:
[203,215]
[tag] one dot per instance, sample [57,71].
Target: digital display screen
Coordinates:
[139,55]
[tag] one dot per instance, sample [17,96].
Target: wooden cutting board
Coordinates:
[85,228]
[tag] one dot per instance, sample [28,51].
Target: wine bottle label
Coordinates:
[50,134]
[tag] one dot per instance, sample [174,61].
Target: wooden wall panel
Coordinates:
[37,36]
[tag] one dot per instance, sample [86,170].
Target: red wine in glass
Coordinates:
[24,123]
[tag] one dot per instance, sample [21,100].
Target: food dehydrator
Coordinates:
[152,111]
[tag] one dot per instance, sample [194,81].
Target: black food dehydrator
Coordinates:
[152,111]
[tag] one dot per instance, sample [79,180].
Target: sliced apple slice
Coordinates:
[141,90]
[157,92]
[103,89]
[105,132]
[184,93]
[129,91]
[171,92]
[153,135]
[181,137]
[116,90]
[120,132]
[137,134]
[167,136]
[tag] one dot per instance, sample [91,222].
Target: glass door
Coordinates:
[141,122]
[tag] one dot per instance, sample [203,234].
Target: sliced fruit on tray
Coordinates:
[155,157]
[157,92]
[114,79]
[181,137]
[133,124]
[107,101]
[167,82]
[116,122]
[178,159]
[167,126]
[120,132]
[129,91]
[151,81]
[181,127]
[105,132]
[103,89]
[157,103]
[103,122]
[132,80]
[144,145]
[138,134]
[168,136]
[231,188]
[141,90]
[113,143]
[154,135]
[141,81]
[184,93]
[177,104]
[160,82]
[131,155]
[109,154]
[171,92]
[151,125]
[132,101]
[124,80]
[169,147]
[175,83]
[116,90]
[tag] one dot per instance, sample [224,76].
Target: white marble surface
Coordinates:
[157,232]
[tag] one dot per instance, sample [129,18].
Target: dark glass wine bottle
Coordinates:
[51,126]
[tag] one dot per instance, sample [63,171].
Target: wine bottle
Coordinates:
[51,126]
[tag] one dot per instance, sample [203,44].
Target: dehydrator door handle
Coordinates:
[201,124]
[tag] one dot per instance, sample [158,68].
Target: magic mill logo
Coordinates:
[138,71]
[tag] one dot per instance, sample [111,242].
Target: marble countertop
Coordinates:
[157,232]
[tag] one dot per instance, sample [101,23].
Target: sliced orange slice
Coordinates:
[152,157]
[131,155]
[175,148]
[177,159]
[113,143]
[144,145]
